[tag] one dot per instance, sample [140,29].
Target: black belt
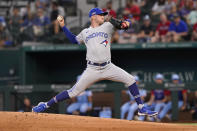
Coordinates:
[98,64]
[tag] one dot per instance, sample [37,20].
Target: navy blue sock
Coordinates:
[59,97]
[135,92]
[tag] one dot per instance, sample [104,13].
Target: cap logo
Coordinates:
[93,13]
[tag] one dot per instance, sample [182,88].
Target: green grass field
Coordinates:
[193,124]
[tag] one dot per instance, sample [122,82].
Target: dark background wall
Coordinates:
[60,67]
[64,66]
[9,66]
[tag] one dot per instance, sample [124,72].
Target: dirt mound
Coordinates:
[17,121]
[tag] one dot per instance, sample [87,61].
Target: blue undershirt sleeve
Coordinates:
[70,36]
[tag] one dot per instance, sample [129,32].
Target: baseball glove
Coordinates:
[119,24]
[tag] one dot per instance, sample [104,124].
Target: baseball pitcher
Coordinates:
[99,66]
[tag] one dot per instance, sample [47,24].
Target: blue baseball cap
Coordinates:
[175,77]
[96,11]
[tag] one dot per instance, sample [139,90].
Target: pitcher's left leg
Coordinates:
[115,73]
[89,76]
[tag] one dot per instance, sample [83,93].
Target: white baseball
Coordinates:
[60,18]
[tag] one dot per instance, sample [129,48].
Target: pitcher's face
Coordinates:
[99,19]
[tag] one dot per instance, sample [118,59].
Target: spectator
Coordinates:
[182,97]
[186,3]
[105,112]
[60,8]
[178,30]
[185,9]
[133,9]
[194,33]
[140,3]
[35,5]
[5,36]
[173,12]
[26,106]
[61,11]
[192,17]
[161,30]
[168,6]
[146,31]
[109,9]
[50,6]
[15,19]
[26,13]
[158,97]
[15,24]
[54,14]
[194,108]
[194,3]
[159,7]
[45,4]
[81,104]
[27,25]
[40,23]
[181,3]
[130,35]
[2,20]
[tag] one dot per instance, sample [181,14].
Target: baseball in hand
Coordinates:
[60,18]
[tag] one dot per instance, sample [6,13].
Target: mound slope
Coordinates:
[17,121]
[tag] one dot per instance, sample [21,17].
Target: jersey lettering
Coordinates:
[96,34]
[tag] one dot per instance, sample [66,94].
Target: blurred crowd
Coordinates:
[152,21]
[35,22]
[159,21]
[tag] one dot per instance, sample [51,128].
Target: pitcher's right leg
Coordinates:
[89,76]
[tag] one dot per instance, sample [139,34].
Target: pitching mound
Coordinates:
[17,121]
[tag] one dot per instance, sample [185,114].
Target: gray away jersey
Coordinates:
[97,41]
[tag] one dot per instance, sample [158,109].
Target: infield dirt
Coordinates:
[17,121]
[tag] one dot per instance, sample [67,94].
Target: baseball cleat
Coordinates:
[144,111]
[42,106]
